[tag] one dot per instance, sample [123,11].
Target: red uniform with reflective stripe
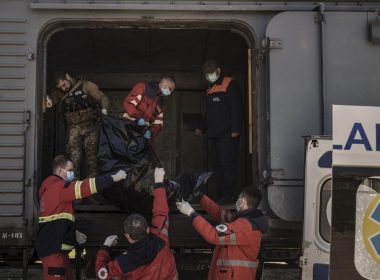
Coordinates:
[56,234]
[143,101]
[56,196]
[237,244]
[163,266]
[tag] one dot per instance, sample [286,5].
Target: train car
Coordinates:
[293,60]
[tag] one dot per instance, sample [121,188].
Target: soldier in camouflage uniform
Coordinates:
[81,100]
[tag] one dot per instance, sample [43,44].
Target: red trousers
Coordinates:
[57,267]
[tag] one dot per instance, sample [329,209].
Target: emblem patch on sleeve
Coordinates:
[221,228]
[103,273]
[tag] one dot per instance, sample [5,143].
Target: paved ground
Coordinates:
[35,273]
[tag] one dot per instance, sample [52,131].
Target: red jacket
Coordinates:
[56,231]
[237,240]
[163,265]
[145,101]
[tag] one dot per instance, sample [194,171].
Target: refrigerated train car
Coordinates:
[292,60]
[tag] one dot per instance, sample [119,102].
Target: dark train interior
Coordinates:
[117,58]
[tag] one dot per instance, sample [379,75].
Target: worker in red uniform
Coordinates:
[56,235]
[149,255]
[145,104]
[237,237]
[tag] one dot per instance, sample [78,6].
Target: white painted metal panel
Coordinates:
[316,250]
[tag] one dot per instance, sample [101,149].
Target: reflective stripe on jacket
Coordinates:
[237,243]
[145,101]
[56,231]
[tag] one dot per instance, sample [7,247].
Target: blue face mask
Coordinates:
[69,176]
[165,91]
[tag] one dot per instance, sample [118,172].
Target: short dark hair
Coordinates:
[252,195]
[136,226]
[59,161]
[209,66]
[169,78]
[58,76]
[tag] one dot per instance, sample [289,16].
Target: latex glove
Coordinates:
[140,122]
[159,174]
[104,111]
[80,237]
[148,134]
[185,208]
[48,102]
[120,175]
[111,240]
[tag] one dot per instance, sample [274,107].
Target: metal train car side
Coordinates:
[293,60]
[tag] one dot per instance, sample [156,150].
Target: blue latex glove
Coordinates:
[141,122]
[148,134]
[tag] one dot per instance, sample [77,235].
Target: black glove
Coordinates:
[185,185]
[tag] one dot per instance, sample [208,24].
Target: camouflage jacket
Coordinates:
[82,110]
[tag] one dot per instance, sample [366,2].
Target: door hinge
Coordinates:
[272,43]
[260,57]
[320,18]
[28,183]
[303,261]
[26,120]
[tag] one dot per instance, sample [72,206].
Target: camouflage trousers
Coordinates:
[83,140]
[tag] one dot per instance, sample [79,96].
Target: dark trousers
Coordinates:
[224,162]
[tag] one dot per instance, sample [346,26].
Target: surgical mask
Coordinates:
[238,205]
[165,91]
[69,176]
[211,77]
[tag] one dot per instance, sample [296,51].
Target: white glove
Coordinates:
[48,102]
[159,174]
[111,240]
[104,111]
[185,208]
[80,237]
[120,175]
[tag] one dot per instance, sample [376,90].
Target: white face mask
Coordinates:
[165,91]
[211,77]
[238,205]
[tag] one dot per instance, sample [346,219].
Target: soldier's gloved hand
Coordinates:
[148,134]
[120,175]
[159,174]
[80,237]
[140,122]
[104,111]
[48,102]
[185,208]
[111,240]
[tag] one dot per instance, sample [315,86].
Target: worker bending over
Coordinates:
[149,255]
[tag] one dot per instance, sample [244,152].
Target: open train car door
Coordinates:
[355,234]
[317,214]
